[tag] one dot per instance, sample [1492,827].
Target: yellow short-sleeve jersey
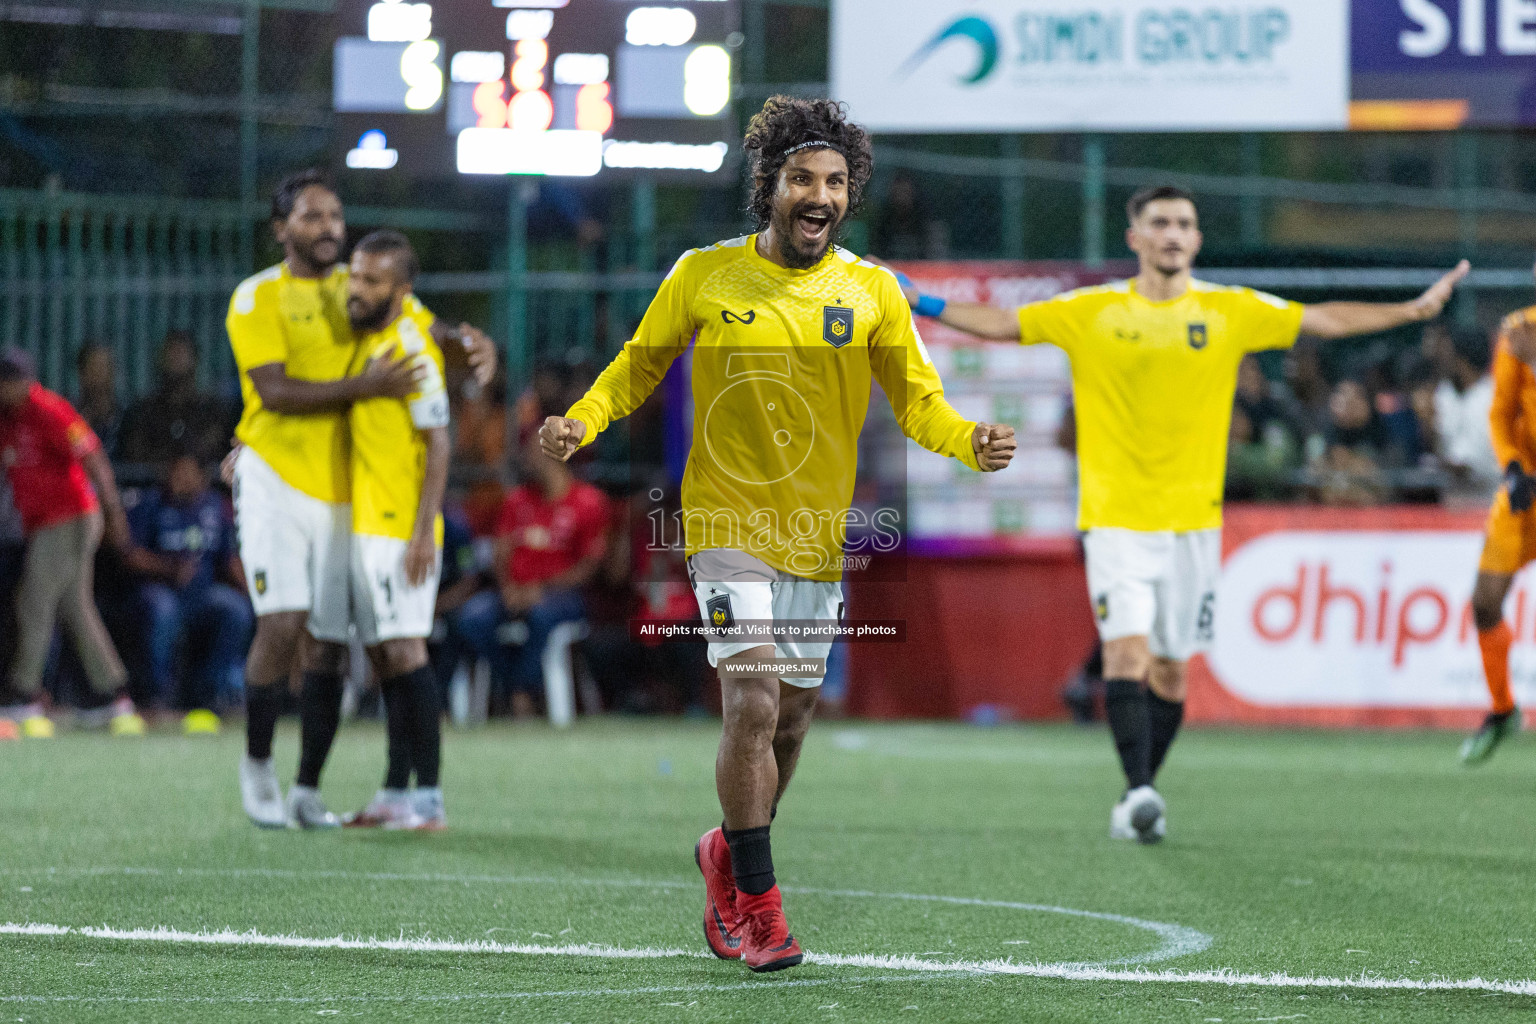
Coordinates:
[389,456]
[782,365]
[275,317]
[1153,385]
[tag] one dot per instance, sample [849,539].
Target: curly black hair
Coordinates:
[786,122]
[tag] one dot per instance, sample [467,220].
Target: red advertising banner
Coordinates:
[1352,617]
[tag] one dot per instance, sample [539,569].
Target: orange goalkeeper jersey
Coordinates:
[1512,420]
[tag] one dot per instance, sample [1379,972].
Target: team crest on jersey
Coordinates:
[1197,336]
[720,614]
[260,579]
[1101,607]
[836,325]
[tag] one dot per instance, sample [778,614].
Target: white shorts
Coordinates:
[734,588]
[1156,584]
[384,605]
[294,548]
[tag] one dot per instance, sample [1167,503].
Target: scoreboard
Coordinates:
[540,87]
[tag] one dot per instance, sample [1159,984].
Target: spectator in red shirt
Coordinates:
[54,461]
[550,538]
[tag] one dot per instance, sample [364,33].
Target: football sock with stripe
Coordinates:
[1165,717]
[397,725]
[263,705]
[751,859]
[1494,643]
[319,718]
[1125,704]
[426,723]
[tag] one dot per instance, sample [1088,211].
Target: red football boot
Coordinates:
[722,926]
[767,944]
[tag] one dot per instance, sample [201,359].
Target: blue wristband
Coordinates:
[929,305]
[904,280]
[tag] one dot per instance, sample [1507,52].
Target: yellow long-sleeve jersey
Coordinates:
[782,366]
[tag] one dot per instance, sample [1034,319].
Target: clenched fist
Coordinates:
[994,446]
[560,437]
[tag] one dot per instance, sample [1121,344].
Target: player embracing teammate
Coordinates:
[788,332]
[1154,372]
[307,386]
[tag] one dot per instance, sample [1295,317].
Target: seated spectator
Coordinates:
[1401,440]
[463,576]
[1349,470]
[1265,412]
[1462,401]
[644,578]
[176,417]
[192,590]
[97,401]
[1259,466]
[1305,398]
[550,540]
[480,443]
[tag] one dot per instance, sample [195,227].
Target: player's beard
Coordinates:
[800,259]
[366,319]
[322,253]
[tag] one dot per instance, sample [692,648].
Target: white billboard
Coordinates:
[1097,65]
[1360,618]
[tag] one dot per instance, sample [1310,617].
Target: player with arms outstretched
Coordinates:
[1154,371]
[1509,541]
[790,330]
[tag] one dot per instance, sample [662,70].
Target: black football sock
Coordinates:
[397,724]
[263,705]
[319,717]
[1125,704]
[1166,716]
[426,725]
[751,859]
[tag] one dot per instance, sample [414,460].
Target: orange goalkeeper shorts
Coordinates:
[1509,540]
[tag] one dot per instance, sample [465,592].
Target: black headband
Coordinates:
[812,144]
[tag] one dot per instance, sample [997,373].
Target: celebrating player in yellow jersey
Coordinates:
[294,348]
[1154,370]
[399,473]
[789,331]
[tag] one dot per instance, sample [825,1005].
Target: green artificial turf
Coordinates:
[1315,854]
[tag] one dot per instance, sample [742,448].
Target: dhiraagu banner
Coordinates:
[1103,65]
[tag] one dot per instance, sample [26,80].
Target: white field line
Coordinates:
[974,968]
[1177,940]
[467,997]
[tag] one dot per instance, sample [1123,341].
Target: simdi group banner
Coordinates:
[1353,617]
[1130,65]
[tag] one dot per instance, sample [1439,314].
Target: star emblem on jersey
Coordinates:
[738,318]
[1197,337]
[836,325]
